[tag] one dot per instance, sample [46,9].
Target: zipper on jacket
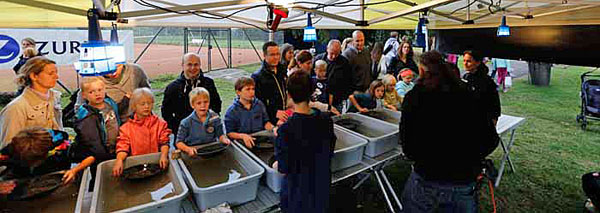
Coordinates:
[279,87]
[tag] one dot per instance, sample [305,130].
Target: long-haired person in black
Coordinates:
[447,136]
[481,86]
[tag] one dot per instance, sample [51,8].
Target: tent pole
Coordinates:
[271,35]
[362,10]
[148,45]
[251,43]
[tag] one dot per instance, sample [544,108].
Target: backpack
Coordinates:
[69,111]
[387,49]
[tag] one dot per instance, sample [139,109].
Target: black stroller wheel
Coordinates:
[579,118]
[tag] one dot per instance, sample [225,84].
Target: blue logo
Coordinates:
[9,48]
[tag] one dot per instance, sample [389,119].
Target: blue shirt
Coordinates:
[241,120]
[194,132]
[403,88]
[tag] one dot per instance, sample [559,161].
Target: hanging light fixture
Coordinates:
[420,32]
[116,51]
[503,29]
[98,57]
[310,33]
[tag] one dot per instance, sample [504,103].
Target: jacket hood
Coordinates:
[86,109]
[238,103]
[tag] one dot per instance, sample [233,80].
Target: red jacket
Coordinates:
[139,137]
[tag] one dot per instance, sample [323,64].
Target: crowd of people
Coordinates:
[294,94]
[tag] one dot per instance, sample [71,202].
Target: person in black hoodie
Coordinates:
[481,86]
[270,83]
[447,136]
[175,105]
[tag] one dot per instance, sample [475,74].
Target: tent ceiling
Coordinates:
[398,14]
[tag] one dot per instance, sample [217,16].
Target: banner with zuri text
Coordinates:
[59,45]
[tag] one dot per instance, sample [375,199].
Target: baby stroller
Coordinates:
[590,98]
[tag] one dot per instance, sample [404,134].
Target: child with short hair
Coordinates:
[364,102]
[246,114]
[143,133]
[200,127]
[391,99]
[319,82]
[97,125]
[406,84]
[303,151]
[35,151]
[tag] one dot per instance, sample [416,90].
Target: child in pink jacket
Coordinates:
[143,133]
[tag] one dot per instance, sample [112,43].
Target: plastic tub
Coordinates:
[170,204]
[392,117]
[83,190]
[272,177]
[350,152]
[63,199]
[235,192]
[381,135]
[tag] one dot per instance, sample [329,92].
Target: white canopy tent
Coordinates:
[332,14]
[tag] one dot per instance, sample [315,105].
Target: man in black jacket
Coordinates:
[270,83]
[339,74]
[176,103]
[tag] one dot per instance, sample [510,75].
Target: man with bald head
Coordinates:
[339,75]
[360,62]
[176,103]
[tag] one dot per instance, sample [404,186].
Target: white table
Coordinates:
[507,124]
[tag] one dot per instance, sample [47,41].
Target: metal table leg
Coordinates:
[385,179]
[505,157]
[361,181]
[387,199]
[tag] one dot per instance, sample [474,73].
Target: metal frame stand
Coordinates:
[505,157]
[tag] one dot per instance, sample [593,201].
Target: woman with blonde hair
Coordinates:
[38,105]
[26,43]
[346,43]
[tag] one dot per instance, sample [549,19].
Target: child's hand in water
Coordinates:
[335,111]
[190,151]
[225,140]
[6,187]
[69,176]
[248,140]
[363,110]
[117,168]
[164,162]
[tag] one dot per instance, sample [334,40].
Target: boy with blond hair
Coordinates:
[97,124]
[201,126]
